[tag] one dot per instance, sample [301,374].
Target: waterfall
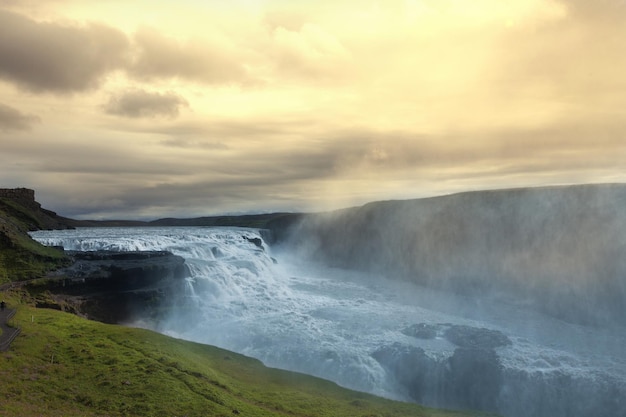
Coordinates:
[367,332]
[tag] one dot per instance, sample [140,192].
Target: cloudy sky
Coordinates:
[146,109]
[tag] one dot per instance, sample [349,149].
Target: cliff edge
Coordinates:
[559,248]
[21,257]
[113,287]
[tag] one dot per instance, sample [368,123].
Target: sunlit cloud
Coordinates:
[270,105]
[158,56]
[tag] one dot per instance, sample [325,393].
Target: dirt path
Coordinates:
[8,333]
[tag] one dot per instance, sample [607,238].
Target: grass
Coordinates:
[18,264]
[63,365]
[20,256]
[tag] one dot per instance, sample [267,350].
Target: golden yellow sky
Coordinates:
[144,109]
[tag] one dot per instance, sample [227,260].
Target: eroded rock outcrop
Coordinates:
[471,373]
[114,287]
[469,378]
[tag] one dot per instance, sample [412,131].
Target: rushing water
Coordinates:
[335,323]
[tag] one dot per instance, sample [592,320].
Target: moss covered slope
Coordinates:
[63,365]
[20,256]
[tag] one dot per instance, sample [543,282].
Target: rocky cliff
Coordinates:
[113,287]
[21,204]
[106,286]
[559,248]
[21,257]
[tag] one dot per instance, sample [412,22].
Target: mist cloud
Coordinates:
[43,56]
[141,103]
[12,119]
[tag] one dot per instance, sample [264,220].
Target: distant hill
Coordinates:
[246,220]
[259,221]
[21,203]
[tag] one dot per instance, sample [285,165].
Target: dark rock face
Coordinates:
[114,286]
[422,331]
[462,336]
[122,271]
[421,375]
[471,378]
[474,378]
[256,241]
[476,338]
[35,217]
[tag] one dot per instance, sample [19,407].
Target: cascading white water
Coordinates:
[330,323]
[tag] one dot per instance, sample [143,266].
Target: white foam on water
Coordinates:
[328,322]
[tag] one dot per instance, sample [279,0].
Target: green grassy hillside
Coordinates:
[63,365]
[20,256]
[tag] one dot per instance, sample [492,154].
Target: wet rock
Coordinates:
[476,337]
[255,241]
[474,379]
[420,374]
[120,271]
[469,379]
[421,331]
[113,287]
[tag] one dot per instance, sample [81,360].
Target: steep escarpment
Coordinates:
[106,286]
[20,256]
[21,205]
[114,287]
[558,248]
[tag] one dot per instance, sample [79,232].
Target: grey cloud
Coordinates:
[141,103]
[98,160]
[48,152]
[549,149]
[53,57]
[204,197]
[357,153]
[160,57]
[258,129]
[94,164]
[215,196]
[13,120]
[212,181]
[219,134]
[194,143]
